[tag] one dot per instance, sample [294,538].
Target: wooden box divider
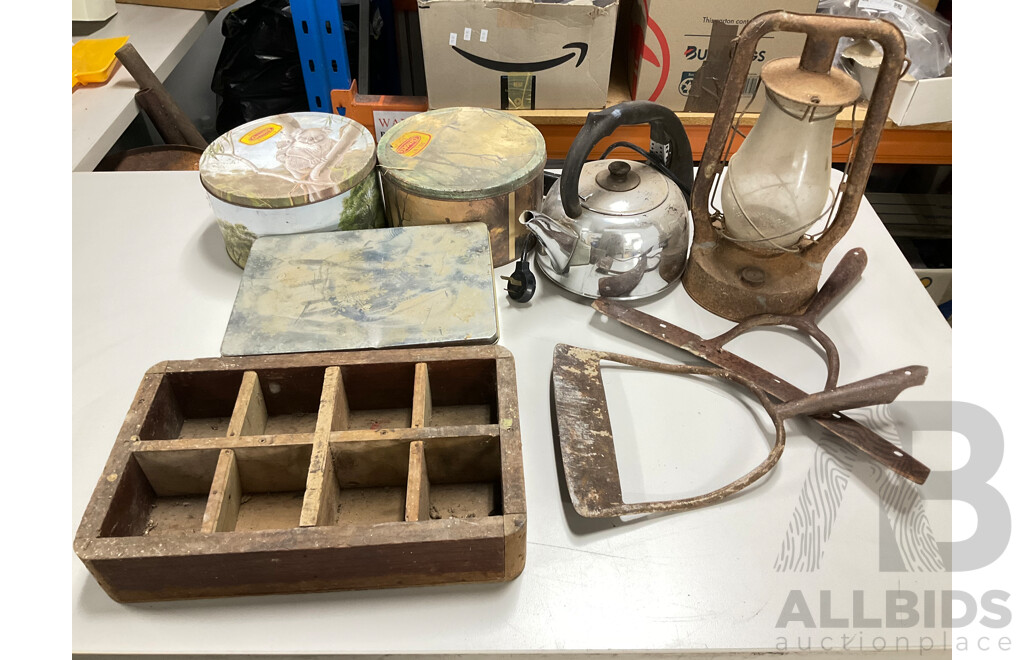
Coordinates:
[250,414]
[414,480]
[421,397]
[322,493]
[417,498]
[225,495]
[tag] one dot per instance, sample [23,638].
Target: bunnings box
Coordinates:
[679,49]
[517,55]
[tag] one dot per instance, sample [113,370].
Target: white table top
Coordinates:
[152,282]
[100,114]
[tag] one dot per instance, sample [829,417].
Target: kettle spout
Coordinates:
[558,240]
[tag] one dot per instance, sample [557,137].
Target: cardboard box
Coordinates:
[516,55]
[679,49]
[922,101]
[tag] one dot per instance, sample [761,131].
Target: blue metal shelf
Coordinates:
[321,40]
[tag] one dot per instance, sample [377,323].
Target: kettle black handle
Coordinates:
[666,129]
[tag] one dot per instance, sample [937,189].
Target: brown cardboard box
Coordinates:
[515,54]
[679,49]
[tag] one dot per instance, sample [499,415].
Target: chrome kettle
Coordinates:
[614,228]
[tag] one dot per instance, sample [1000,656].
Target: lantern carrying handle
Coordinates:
[823,35]
[666,129]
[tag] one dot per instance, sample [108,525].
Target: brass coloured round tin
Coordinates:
[464,165]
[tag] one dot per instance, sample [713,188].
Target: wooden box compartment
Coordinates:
[313,472]
[383,398]
[191,405]
[171,502]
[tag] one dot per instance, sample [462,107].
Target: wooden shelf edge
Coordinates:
[923,145]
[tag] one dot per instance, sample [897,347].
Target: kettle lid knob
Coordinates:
[618,169]
[619,177]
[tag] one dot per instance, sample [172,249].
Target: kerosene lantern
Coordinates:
[761,251]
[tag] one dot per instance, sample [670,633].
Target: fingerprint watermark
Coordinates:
[907,542]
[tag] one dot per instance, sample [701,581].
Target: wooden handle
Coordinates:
[842,278]
[150,103]
[171,121]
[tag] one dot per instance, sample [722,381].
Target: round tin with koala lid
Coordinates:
[291,174]
[464,165]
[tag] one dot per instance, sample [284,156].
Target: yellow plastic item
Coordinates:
[92,60]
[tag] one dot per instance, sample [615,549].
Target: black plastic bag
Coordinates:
[259,72]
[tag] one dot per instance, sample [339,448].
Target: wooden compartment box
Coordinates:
[312,472]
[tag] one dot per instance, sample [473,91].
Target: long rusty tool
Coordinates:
[849,430]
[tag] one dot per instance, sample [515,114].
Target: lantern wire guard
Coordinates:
[834,193]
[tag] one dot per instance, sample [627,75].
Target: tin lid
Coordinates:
[287,160]
[461,153]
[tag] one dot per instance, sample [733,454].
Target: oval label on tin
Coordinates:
[410,144]
[260,134]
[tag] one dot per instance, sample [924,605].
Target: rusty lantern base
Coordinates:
[736,283]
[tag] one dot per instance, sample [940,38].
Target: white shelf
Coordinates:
[100,114]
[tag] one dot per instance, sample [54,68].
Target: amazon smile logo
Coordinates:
[527,67]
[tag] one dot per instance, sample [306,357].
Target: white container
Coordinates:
[291,174]
[915,102]
[92,10]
